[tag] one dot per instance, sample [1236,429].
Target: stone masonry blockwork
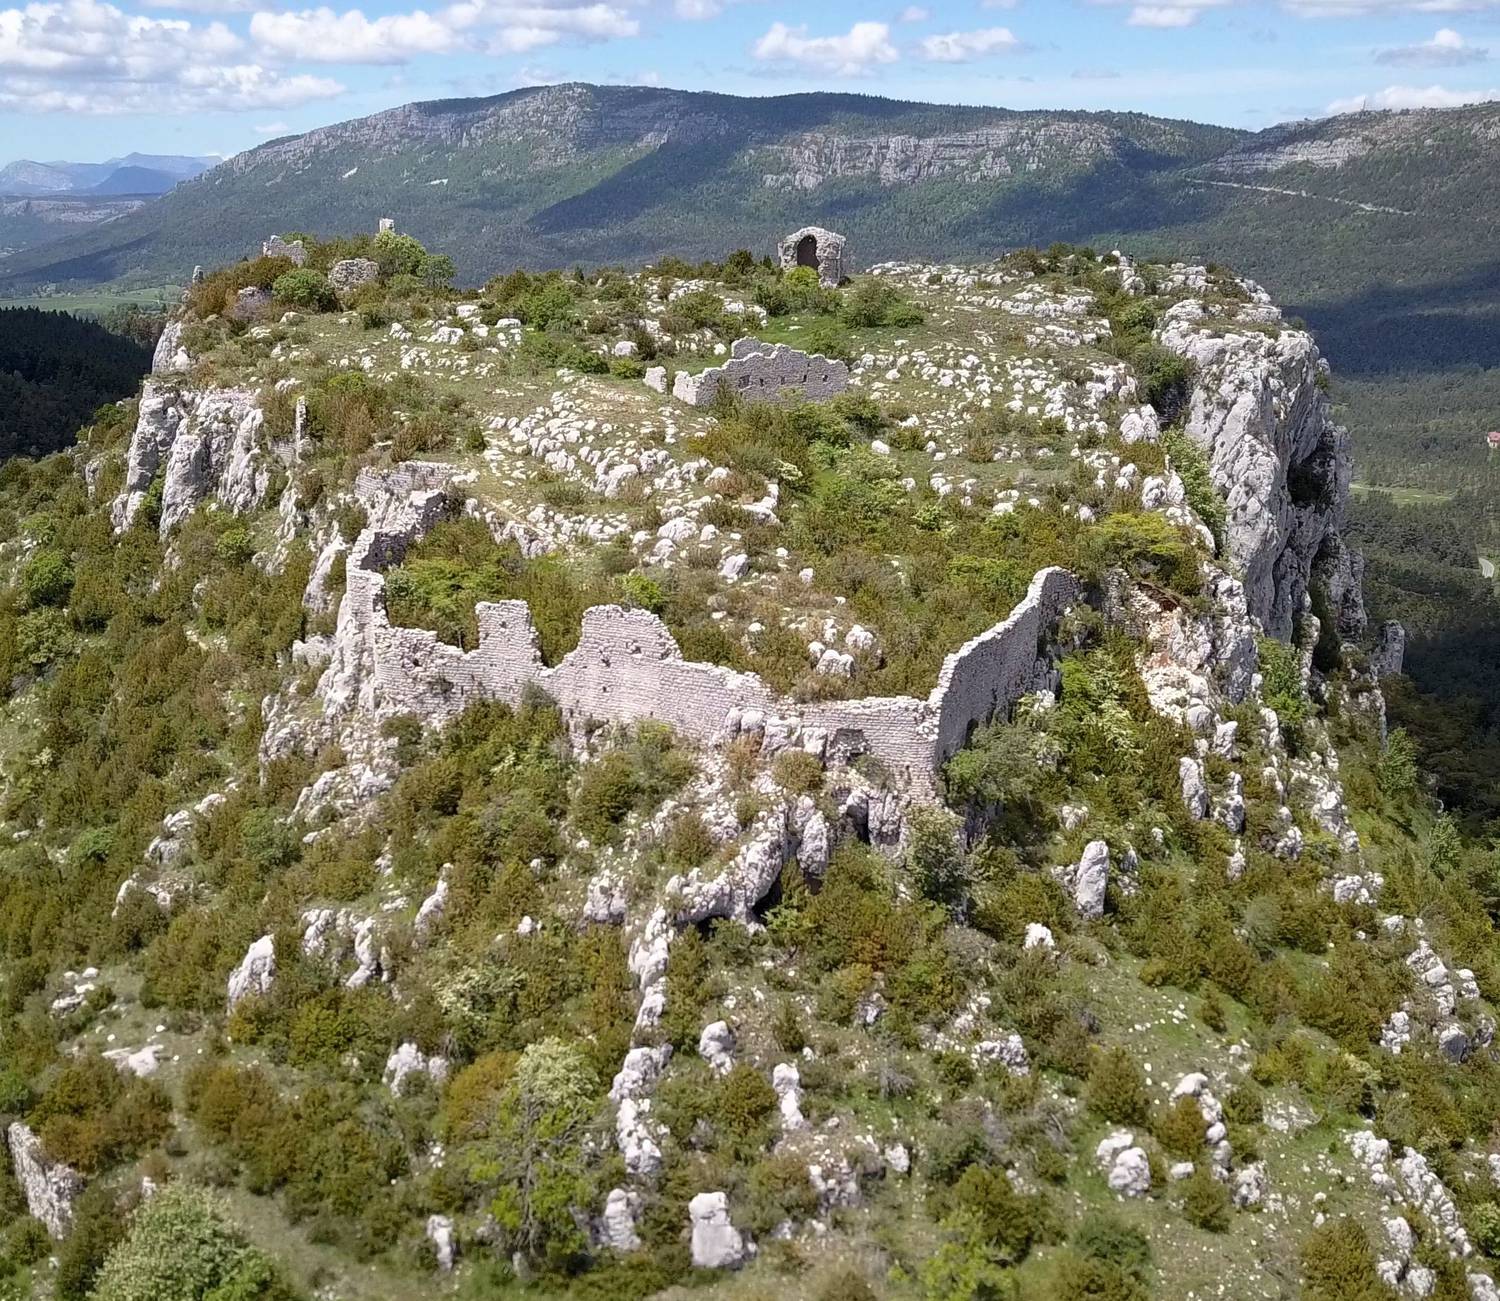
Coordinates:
[627,666]
[763,372]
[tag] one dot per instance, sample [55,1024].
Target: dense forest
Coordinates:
[55,370]
[1423,569]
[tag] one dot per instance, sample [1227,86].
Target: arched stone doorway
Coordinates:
[807,252]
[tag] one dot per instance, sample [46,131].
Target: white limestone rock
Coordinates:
[716,1243]
[407,1061]
[444,1243]
[1194,786]
[1038,937]
[716,1047]
[787,1081]
[1087,880]
[171,357]
[256,971]
[616,1229]
[1126,1166]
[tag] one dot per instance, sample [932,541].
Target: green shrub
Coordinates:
[1117,1088]
[743,1106]
[1281,681]
[1192,467]
[1205,1201]
[181,1245]
[1338,1264]
[797,772]
[1397,772]
[1106,1261]
[47,578]
[1179,1129]
[1148,547]
[875,302]
[535,1157]
[1484,1227]
[1166,379]
[688,842]
[306,289]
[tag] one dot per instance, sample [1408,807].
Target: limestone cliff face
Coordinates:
[1259,412]
[203,442]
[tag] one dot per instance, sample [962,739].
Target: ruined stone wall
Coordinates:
[627,667]
[763,372]
[992,671]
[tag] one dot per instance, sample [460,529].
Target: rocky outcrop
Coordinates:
[717,1244]
[1389,652]
[256,972]
[50,1187]
[202,443]
[1125,1165]
[1087,880]
[171,357]
[1259,413]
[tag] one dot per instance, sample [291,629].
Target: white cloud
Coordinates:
[1183,14]
[850,55]
[323,36]
[202,6]
[1447,49]
[697,10]
[997,4]
[1367,8]
[961,47]
[85,56]
[1412,97]
[914,14]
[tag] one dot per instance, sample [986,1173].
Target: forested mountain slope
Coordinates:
[54,371]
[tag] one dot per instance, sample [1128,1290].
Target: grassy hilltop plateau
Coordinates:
[486,814]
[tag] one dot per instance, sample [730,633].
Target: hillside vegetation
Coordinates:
[1173,980]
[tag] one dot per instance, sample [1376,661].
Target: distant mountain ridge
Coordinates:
[1377,227]
[132,174]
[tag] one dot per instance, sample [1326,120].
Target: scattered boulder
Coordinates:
[616,1228]
[1087,880]
[1127,1169]
[787,1082]
[409,1060]
[1038,937]
[256,971]
[717,1244]
[444,1244]
[716,1047]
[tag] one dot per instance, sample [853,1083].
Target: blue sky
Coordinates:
[89,79]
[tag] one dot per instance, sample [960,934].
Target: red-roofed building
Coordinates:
[1493,438]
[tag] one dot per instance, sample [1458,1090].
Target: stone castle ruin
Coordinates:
[758,371]
[627,666]
[822,250]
